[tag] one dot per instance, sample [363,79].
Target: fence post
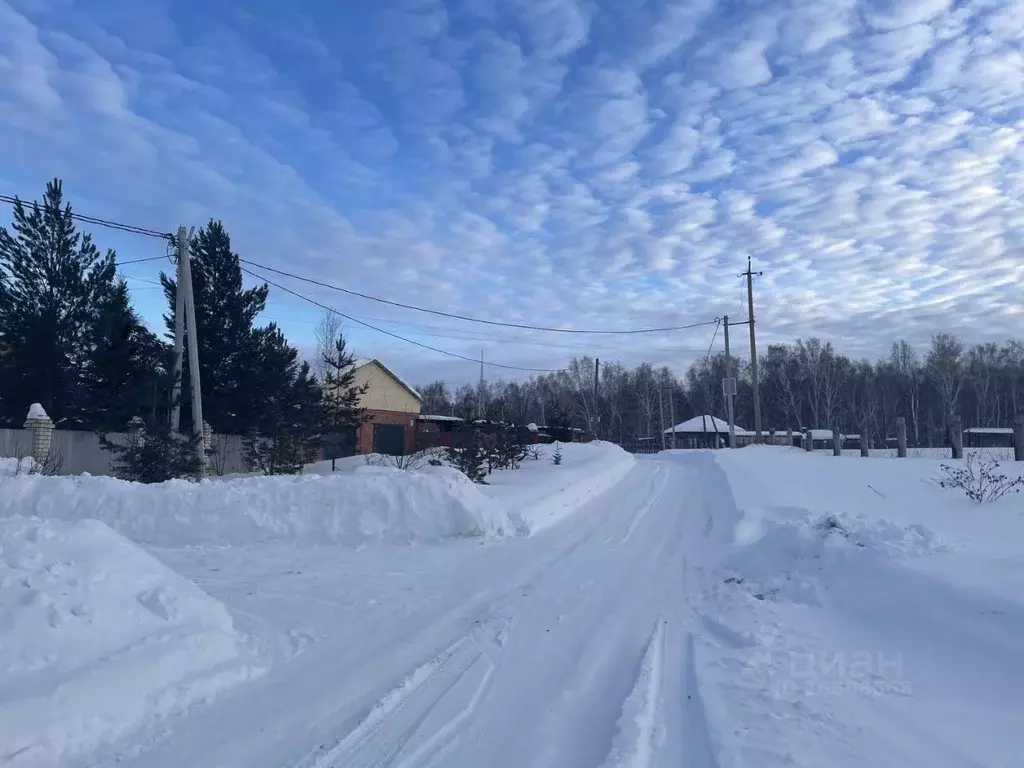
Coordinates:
[837,442]
[42,431]
[207,444]
[1018,438]
[957,434]
[901,437]
[808,441]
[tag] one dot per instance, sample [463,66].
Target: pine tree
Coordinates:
[229,342]
[286,435]
[341,394]
[52,282]
[127,372]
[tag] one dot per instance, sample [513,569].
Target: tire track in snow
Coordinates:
[641,726]
[409,705]
[696,734]
[649,502]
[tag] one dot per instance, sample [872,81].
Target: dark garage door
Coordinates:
[389,439]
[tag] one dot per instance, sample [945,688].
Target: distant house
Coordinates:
[394,408]
[988,437]
[706,432]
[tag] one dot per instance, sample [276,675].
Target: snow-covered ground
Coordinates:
[863,615]
[98,638]
[761,607]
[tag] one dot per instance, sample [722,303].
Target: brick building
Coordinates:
[394,406]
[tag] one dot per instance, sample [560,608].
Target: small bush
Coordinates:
[556,457]
[979,478]
[533,452]
[155,457]
[409,463]
[468,454]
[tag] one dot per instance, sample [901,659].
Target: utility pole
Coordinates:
[730,410]
[749,274]
[195,388]
[661,417]
[597,408]
[672,414]
[179,332]
[480,389]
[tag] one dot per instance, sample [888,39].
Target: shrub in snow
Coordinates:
[507,450]
[154,457]
[533,452]
[979,477]
[468,454]
[556,457]
[409,463]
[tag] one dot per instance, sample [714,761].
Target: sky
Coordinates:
[565,163]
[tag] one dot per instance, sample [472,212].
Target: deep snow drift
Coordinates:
[98,638]
[368,504]
[862,615]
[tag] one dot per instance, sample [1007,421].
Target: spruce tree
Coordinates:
[341,394]
[127,372]
[52,282]
[285,434]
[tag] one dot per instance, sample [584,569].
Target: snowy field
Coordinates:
[760,608]
[862,615]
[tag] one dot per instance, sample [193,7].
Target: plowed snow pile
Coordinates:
[98,638]
[862,615]
[368,504]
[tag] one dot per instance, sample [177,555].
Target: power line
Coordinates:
[395,335]
[711,346]
[521,326]
[139,261]
[130,228]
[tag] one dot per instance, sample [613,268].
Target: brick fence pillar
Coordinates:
[41,427]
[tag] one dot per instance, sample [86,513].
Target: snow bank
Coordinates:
[542,493]
[874,614]
[98,638]
[367,504]
[9,467]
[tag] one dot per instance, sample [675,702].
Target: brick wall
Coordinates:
[364,437]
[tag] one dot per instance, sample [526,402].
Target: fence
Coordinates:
[74,452]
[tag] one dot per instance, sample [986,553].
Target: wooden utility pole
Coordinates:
[597,408]
[179,331]
[749,274]
[729,406]
[1018,438]
[195,388]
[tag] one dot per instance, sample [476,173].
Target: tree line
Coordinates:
[70,340]
[804,385]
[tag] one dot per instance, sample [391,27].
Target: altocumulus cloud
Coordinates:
[596,164]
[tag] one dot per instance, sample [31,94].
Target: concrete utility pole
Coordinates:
[597,409]
[179,332]
[749,274]
[729,407]
[480,389]
[196,390]
[661,418]
[672,415]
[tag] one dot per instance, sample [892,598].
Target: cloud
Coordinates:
[583,164]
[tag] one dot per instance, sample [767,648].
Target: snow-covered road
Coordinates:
[568,648]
